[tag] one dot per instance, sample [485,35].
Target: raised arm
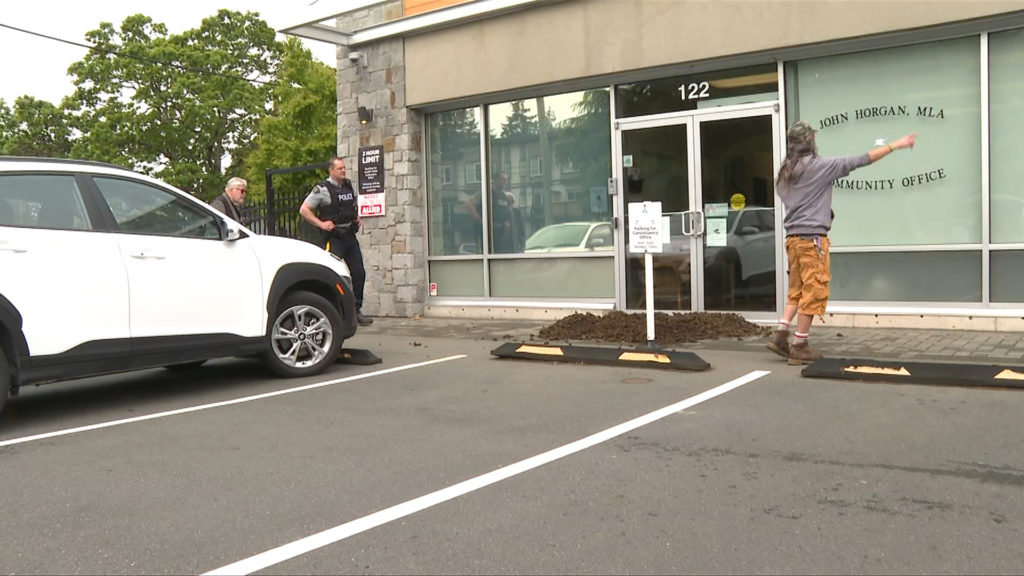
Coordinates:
[876,154]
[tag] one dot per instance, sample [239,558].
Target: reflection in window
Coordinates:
[453,180]
[1007,270]
[1006,97]
[143,209]
[906,277]
[42,201]
[549,163]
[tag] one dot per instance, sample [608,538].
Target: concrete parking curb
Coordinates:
[641,358]
[939,373]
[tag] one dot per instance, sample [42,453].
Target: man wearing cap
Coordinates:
[805,186]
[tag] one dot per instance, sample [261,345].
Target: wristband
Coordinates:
[891,149]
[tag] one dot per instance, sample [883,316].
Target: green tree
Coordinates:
[179,104]
[34,128]
[520,121]
[588,134]
[301,127]
[6,121]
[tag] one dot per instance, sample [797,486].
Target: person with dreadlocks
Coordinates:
[805,186]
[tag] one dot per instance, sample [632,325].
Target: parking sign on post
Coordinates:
[645,235]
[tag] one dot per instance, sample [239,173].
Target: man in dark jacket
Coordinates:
[337,215]
[230,202]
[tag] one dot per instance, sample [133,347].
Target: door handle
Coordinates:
[695,219]
[698,218]
[145,256]
[9,248]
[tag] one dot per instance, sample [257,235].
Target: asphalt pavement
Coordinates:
[953,346]
[444,459]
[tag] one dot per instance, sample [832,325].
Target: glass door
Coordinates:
[713,173]
[656,166]
[736,188]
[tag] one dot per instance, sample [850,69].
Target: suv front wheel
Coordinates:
[304,336]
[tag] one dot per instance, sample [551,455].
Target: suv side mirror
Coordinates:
[231,229]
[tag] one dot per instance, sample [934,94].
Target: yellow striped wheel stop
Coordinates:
[641,357]
[938,373]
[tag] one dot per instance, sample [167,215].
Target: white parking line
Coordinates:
[67,431]
[338,533]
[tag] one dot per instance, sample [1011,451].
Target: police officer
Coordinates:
[334,200]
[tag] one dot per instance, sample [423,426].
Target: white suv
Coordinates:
[103,270]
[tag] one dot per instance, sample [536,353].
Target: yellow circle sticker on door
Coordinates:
[737,201]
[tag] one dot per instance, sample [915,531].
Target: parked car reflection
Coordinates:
[571,237]
[738,273]
[750,244]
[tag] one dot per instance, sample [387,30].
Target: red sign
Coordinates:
[371,204]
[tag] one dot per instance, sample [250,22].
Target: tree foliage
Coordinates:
[174,104]
[180,106]
[589,133]
[519,121]
[301,128]
[33,128]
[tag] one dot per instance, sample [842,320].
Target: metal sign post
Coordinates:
[645,236]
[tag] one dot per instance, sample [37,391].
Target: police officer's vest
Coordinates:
[343,208]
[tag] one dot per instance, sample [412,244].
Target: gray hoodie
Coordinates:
[808,198]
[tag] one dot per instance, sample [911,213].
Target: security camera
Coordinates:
[354,56]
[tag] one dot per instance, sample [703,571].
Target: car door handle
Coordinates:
[145,256]
[4,247]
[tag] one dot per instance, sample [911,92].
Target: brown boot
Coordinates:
[801,353]
[780,343]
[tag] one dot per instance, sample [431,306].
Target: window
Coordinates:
[536,167]
[1006,110]
[531,136]
[454,225]
[931,195]
[529,143]
[42,201]
[143,209]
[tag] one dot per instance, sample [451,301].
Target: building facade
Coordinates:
[518,136]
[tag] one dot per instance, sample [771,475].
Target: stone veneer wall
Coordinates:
[394,245]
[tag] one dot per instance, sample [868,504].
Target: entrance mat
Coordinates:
[640,358]
[357,356]
[939,373]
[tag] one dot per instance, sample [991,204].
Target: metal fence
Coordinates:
[278,215]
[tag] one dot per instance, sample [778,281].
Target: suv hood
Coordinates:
[285,250]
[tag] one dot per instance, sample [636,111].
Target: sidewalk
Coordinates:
[951,346]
